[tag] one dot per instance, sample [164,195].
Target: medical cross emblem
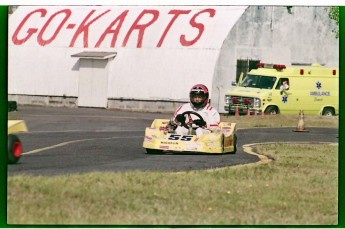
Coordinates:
[284,98]
[318,84]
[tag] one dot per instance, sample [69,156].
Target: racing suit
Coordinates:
[208,113]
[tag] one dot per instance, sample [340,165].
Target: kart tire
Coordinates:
[153,151]
[235,143]
[14,149]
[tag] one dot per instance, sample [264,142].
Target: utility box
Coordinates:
[93,78]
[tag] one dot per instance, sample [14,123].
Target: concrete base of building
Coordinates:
[144,105]
[163,106]
[56,101]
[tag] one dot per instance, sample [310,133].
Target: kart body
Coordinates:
[221,140]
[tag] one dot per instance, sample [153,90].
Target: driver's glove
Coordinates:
[171,126]
[180,118]
[199,122]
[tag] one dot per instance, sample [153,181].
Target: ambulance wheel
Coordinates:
[14,149]
[328,111]
[272,110]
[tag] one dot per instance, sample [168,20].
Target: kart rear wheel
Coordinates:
[235,143]
[154,151]
[14,149]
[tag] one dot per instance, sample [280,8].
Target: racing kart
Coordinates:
[14,145]
[159,139]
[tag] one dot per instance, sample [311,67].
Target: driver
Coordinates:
[198,96]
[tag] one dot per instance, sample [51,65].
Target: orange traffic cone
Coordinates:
[248,112]
[255,112]
[237,113]
[300,125]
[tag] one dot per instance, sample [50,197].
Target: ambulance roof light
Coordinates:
[260,65]
[275,66]
[279,66]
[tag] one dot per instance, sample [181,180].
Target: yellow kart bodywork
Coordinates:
[16,126]
[221,140]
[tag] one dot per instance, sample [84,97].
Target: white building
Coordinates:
[148,57]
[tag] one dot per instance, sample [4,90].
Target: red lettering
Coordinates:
[56,23]
[40,39]
[141,27]
[119,21]
[84,28]
[199,26]
[30,31]
[176,13]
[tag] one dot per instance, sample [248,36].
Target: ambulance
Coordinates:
[281,89]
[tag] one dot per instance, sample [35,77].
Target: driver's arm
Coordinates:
[213,118]
[178,114]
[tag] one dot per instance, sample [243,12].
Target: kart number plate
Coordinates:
[180,137]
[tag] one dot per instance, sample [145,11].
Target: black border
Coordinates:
[3,125]
[341,190]
[3,114]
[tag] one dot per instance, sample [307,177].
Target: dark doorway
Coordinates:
[245,65]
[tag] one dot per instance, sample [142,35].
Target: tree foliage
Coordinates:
[333,14]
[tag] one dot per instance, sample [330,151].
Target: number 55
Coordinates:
[174,137]
[186,138]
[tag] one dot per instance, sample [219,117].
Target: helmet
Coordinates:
[199,89]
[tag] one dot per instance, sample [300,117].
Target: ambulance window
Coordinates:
[267,82]
[249,81]
[281,82]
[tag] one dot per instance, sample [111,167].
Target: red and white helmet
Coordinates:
[199,89]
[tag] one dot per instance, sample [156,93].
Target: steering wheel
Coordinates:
[183,123]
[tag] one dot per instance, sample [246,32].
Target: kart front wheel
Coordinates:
[154,151]
[14,149]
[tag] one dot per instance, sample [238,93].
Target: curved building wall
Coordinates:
[276,34]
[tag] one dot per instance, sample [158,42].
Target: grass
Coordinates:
[282,121]
[298,187]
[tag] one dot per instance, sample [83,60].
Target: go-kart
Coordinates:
[14,145]
[159,139]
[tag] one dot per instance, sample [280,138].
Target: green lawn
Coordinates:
[297,185]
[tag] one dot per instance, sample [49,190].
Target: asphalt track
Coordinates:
[64,141]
